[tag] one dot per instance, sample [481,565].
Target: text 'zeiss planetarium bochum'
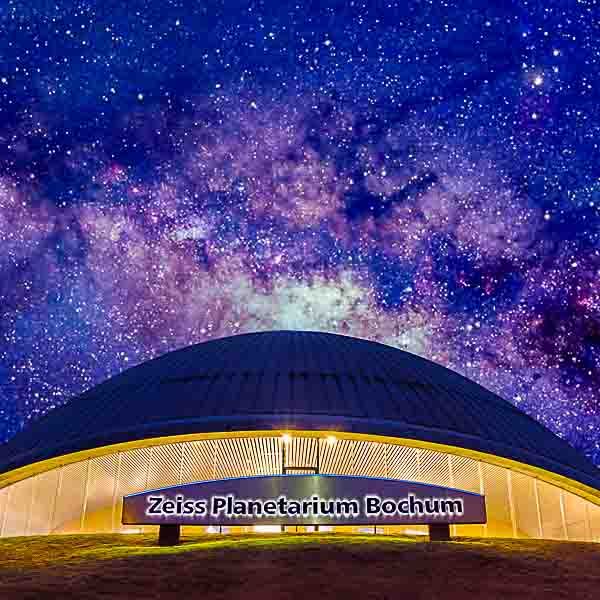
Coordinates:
[297,431]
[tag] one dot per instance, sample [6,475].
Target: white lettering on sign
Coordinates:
[230,506]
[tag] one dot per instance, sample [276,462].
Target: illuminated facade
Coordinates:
[294,402]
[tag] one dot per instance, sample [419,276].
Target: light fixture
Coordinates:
[331,440]
[287,438]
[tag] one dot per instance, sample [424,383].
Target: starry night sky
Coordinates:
[424,174]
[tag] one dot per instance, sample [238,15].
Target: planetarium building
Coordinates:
[293,403]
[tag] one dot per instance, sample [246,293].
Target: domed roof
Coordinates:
[295,380]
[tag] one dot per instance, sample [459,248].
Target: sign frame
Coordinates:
[349,491]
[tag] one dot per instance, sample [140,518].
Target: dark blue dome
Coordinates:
[295,380]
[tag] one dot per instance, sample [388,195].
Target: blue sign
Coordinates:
[303,500]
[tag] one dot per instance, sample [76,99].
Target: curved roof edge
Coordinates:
[369,388]
[306,423]
[589,493]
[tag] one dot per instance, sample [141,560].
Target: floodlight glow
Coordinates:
[415,532]
[365,530]
[267,528]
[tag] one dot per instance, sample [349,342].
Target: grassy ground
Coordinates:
[311,566]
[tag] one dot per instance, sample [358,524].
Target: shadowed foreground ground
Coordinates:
[296,566]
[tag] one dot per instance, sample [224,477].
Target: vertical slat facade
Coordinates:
[69,498]
[17,508]
[576,518]
[552,525]
[594,518]
[403,462]
[198,461]
[525,506]
[465,476]
[100,493]
[3,509]
[497,501]
[87,496]
[42,501]
[434,467]
[134,472]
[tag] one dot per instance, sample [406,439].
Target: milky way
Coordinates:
[421,175]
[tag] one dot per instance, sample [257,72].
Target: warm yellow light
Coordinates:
[287,438]
[331,440]
[415,532]
[267,528]
[571,485]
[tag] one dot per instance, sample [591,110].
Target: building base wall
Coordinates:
[86,496]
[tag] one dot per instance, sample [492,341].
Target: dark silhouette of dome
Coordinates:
[295,380]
